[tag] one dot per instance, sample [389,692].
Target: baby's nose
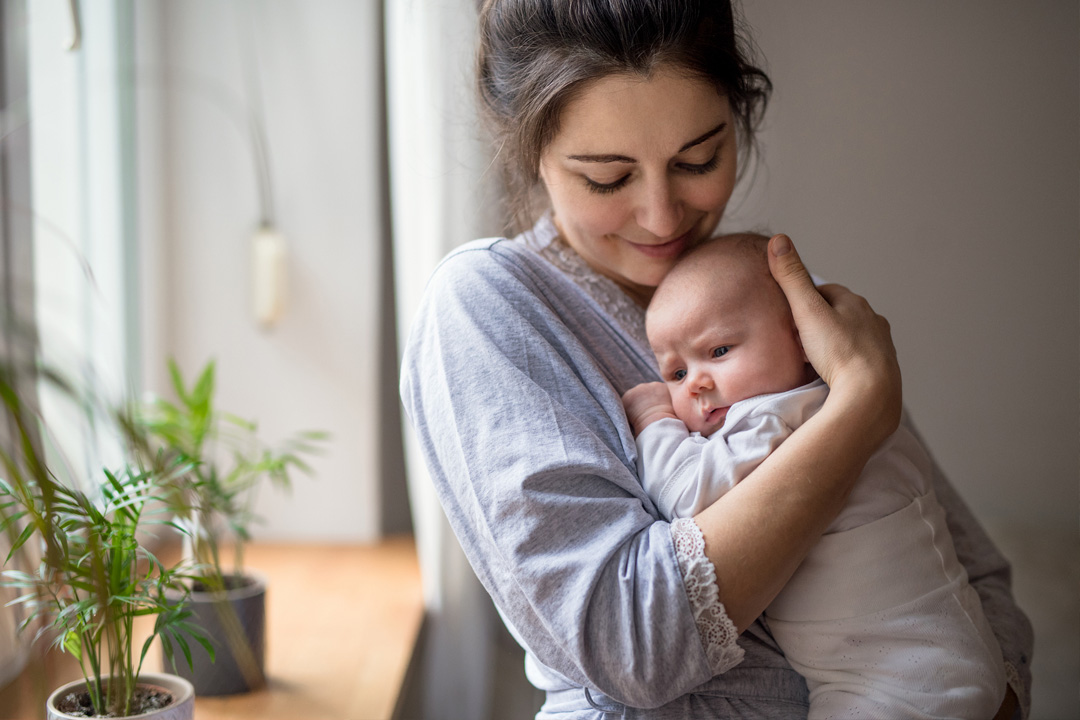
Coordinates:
[701,381]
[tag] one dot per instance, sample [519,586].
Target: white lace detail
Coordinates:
[718,633]
[545,239]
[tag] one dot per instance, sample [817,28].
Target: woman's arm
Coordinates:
[759,532]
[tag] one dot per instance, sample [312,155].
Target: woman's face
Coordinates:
[640,170]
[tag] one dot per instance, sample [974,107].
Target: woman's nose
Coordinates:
[660,211]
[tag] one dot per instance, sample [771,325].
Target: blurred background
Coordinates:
[925,154]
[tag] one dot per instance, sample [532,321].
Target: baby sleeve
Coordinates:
[684,472]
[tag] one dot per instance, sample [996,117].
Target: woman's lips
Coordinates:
[669,249]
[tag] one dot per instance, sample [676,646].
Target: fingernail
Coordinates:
[781,245]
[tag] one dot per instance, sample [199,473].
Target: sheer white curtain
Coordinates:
[442,195]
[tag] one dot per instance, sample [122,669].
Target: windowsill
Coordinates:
[342,624]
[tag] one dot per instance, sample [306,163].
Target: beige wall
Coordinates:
[926,155]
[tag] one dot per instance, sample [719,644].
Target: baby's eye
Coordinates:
[721,351]
[678,374]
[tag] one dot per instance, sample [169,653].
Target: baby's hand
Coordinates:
[647,403]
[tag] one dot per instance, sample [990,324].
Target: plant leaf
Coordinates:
[25,535]
[73,645]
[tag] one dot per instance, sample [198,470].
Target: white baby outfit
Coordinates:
[879,618]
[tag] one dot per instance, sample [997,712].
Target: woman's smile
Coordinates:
[664,249]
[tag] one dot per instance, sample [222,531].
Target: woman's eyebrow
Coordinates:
[703,138]
[610,158]
[601,158]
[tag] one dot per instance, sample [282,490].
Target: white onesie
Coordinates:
[879,618]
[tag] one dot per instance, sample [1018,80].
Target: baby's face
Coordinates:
[736,340]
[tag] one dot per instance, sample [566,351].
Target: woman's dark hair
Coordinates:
[535,55]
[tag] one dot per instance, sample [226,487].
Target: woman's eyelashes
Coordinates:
[605,188]
[701,169]
[692,168]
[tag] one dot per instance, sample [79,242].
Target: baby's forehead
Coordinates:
[719,281]
[721,267]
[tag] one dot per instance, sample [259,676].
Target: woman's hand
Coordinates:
[849,345]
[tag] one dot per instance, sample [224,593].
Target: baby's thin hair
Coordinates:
[746,245]
[696,268]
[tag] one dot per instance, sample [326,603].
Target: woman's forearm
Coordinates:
[758,533]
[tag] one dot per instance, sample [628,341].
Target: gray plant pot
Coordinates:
[181,708]
[234,621]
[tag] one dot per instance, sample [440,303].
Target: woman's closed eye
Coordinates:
[605,188]
[693,168]
[702,168]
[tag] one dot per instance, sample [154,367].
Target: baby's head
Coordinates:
[722,332]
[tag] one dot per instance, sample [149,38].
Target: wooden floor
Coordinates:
[342,623]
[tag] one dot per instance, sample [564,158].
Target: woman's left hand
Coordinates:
[849,345]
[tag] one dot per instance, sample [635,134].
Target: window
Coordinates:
[80,157]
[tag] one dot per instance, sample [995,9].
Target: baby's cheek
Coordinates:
[681,404]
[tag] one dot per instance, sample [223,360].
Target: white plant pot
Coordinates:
[181,708]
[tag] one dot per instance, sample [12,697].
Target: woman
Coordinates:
[629,116]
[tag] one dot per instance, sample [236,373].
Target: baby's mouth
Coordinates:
[715,416]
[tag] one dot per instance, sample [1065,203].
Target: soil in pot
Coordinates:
[147,698]
[157,695]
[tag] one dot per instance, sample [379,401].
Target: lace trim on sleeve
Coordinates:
[718,633]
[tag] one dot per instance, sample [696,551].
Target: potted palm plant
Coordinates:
[95,577]
[224,465]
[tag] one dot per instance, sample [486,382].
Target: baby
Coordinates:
[879,618]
